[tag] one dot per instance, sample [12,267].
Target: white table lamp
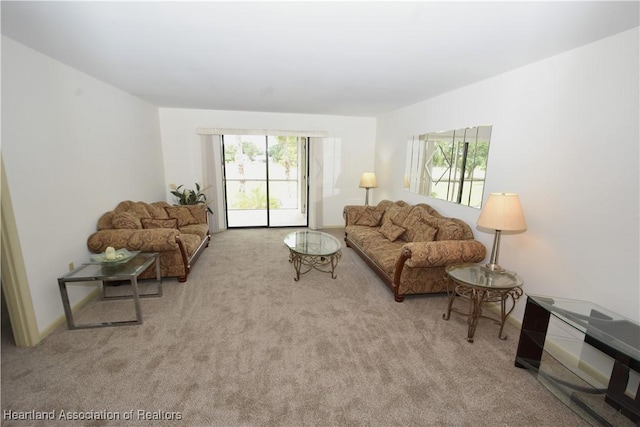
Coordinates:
[368,180]
[501,212]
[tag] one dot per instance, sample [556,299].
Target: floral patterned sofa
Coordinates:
[179,233]
[409,246]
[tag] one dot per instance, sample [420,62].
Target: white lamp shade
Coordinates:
[502,211]
[368,180]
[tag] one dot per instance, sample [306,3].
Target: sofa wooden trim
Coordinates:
[187,262]
[402,259]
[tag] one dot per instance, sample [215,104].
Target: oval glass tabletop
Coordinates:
[309,242]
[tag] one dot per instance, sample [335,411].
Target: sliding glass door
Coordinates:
[265,180]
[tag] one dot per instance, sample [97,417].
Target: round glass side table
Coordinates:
[479,285]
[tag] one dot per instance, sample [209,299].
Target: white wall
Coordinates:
[343,160]
[565,137]
[73,148]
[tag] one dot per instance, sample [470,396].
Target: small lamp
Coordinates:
[502,212]
[368,180]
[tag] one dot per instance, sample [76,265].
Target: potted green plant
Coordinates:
[190,197]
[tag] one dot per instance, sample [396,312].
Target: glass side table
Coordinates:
[103,272]
[479,285]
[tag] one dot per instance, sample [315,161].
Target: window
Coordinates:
[265,180]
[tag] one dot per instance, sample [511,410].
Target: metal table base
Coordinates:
[130,271]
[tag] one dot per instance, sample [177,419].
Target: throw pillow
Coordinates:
[416,224]
[125,220]
[370,217]
[402,214]
[423,232]
[390,212]
[449,230]
[159,223]
[199,212]
[182,214]
[157,210]
[137,209]
[353,215]
[391,231]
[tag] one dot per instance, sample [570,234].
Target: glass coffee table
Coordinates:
[313,249]
[111,272]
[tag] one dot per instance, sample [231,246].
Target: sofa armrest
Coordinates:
[443,253]
[149,240]
[351,213]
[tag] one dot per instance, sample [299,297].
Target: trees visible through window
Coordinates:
[265,180]
[449,165]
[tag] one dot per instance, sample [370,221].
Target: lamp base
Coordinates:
[495,250]
[495,267]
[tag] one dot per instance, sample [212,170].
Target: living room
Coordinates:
[86,138]
[166,145]
[565,138]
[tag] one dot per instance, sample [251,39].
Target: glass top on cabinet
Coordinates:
[479,275]
[619,332]
[309,242]
[125,270]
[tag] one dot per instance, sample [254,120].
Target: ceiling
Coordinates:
[341,58]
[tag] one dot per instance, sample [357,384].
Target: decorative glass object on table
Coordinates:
[113,256]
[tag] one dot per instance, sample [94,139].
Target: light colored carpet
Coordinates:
[242,344]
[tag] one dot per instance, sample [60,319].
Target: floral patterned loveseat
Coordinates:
[179,233]
[409,246]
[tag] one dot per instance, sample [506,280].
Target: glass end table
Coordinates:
[129,271]
[480,285]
